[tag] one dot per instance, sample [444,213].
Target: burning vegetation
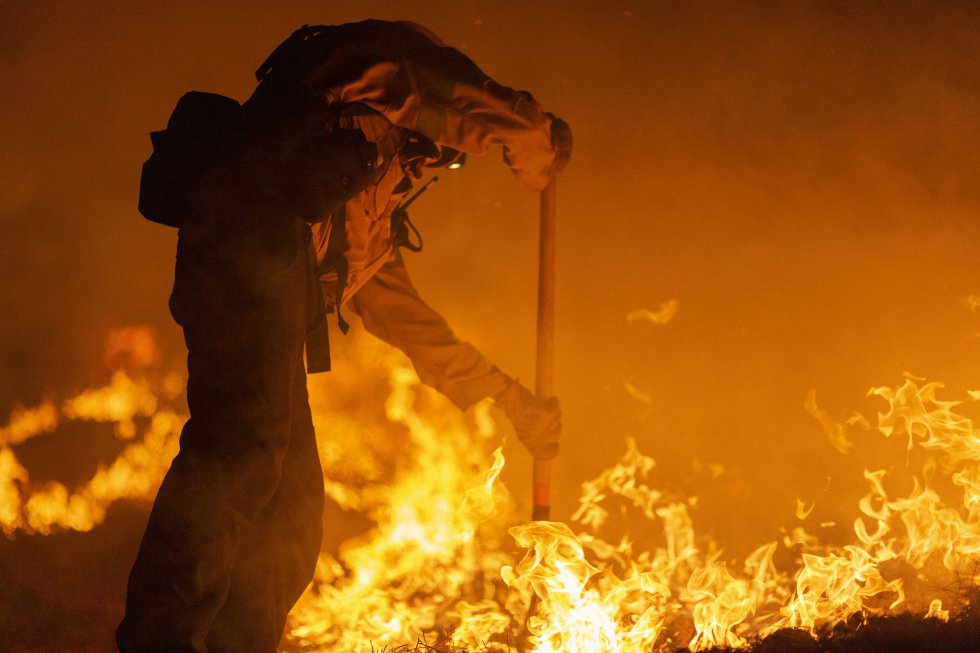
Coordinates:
[448,561]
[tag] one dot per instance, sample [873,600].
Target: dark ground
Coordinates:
[899,634]
[65,593]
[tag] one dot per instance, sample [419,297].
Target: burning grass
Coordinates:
[446,562]
[905,633]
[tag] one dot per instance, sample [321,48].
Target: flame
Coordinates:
[132,348]
[917,413]
[834,586]
[802,512]
[662,316]
[725,607]
[636,393]
[936,611]
[835,431]
[723,602]
[621,479]
[12,476]
[437,566]
[135,473]
[128,398]
[27,423]
[580,610]
[436,550]
[119,402]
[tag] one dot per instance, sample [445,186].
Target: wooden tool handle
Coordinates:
[545,356]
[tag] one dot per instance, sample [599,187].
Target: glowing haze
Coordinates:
[770,210]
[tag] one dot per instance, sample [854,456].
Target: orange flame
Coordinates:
[436,565]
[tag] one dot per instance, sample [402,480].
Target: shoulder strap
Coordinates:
[336,257]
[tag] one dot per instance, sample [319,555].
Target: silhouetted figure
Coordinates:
[284,206]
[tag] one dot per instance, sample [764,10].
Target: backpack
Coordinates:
[199,139]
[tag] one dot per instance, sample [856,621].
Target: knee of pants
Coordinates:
[251,479]
[242,480]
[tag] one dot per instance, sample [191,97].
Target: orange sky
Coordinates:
[801,177]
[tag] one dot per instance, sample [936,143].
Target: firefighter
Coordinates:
[292,223]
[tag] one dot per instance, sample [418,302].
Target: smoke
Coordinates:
[800,177]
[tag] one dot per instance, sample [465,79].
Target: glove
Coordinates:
[561,140]
[537,422]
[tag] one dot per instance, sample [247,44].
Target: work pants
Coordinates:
[235,530]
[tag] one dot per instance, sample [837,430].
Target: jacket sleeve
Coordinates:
[406,73]
[391,309]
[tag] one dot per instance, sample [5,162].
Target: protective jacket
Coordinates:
[390,79]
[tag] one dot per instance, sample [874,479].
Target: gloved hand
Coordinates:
[561,139]
[537,422]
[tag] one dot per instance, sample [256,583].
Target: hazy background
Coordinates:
[802,177]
